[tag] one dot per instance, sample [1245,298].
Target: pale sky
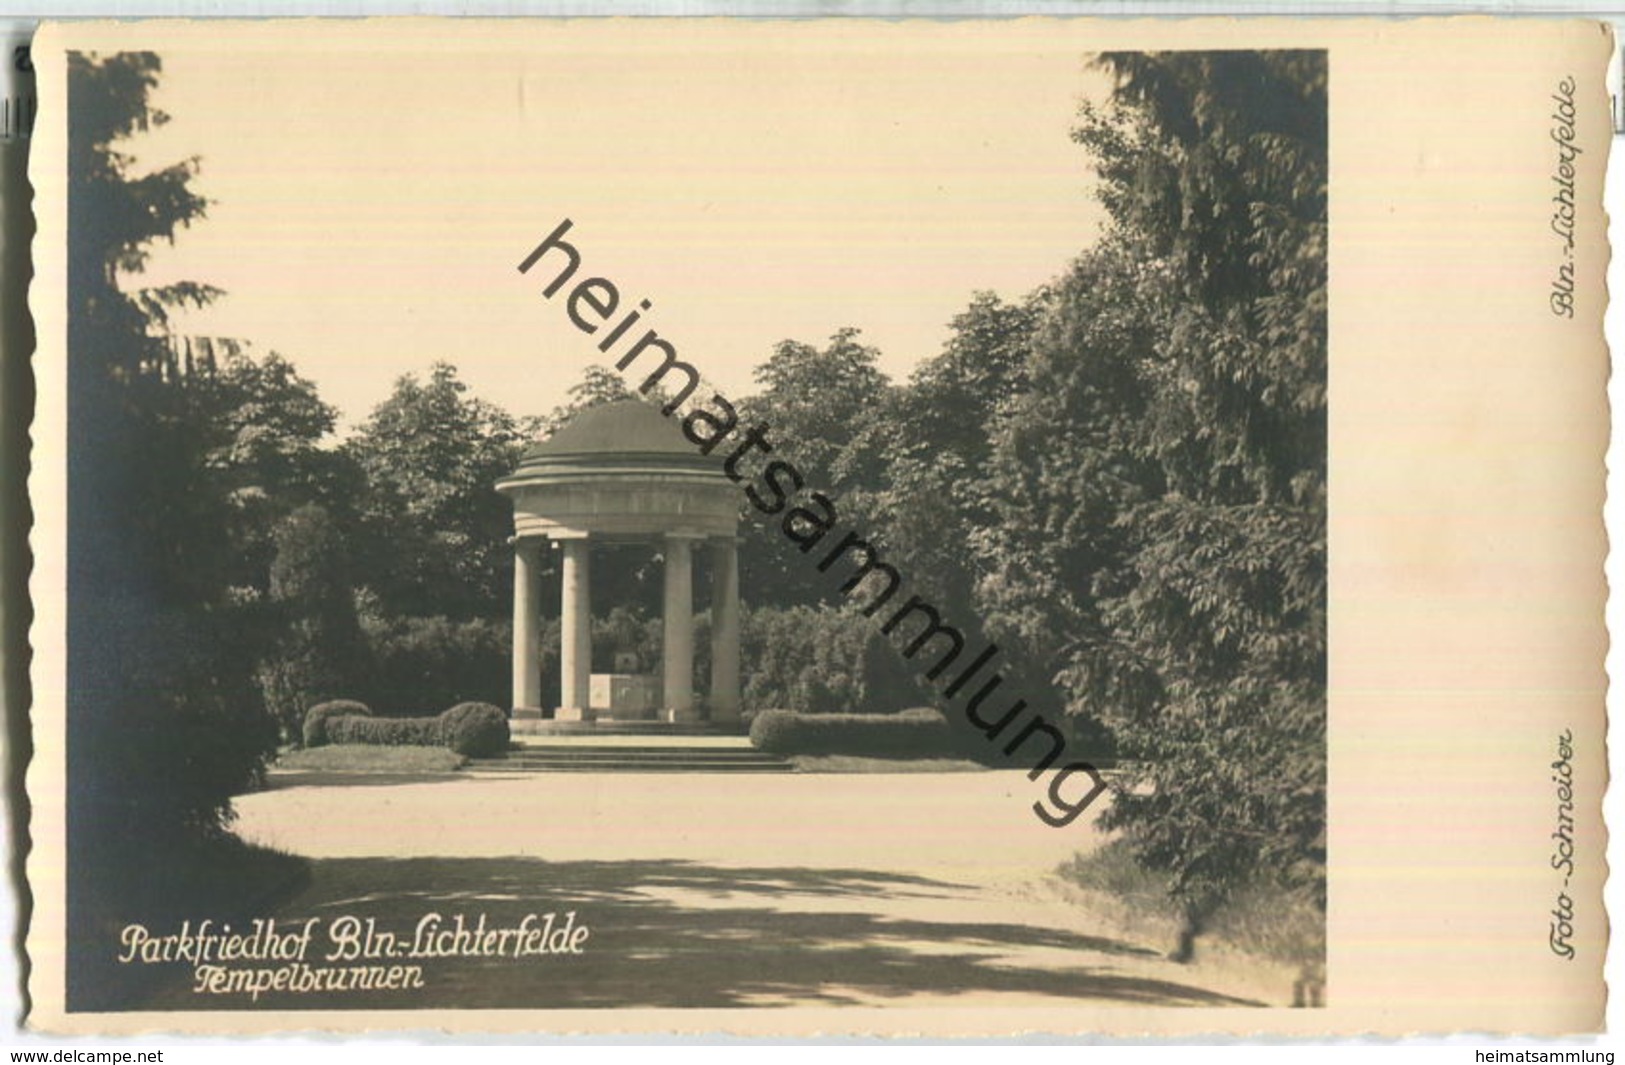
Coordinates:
[371,206]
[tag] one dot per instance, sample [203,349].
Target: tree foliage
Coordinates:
[161,719]
[420,663]
[1163,481]
[1122,478]
[934,445]
[821,660]
[430,455]
[818,404]
[318,653]
[598,385]
[818,400]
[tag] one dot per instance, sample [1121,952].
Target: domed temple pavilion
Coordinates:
[624,472]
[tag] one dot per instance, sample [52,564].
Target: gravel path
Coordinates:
[714,890]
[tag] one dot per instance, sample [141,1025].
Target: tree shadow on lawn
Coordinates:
[758,941]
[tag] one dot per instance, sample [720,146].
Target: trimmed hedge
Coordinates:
[385,731]
[916,733]
[320,716]
[474,730]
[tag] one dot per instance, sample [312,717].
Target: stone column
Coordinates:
[575,623]
[677,694]
[724,630]
[527,648]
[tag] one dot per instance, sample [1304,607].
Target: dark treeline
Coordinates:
[1120,478]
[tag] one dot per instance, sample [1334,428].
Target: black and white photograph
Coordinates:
[756,517]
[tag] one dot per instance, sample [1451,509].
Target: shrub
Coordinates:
[385,731]
[187,735]
[476,730]
[772,730]
[431,662]
[318,651]
[921,733]
[318,717]
[822,660]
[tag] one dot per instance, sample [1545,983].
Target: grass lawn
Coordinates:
[363,758]
[1258,919]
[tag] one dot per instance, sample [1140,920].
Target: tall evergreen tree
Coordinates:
[162,727]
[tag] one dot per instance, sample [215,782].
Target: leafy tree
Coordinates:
[264,455]
[1215,163]
[1160,487]
[128,382]
[1066,465]
[817,404]
[421,666]
[436,528]
[319,654]
[954,400]
[821,660]
[935,443]
[598,385]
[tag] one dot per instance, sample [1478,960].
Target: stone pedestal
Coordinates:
[625,696]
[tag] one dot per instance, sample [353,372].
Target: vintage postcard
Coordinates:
[819,527]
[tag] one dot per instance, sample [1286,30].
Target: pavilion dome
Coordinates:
[624,463]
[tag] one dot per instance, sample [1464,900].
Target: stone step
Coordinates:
[496,766]
[673,751]
[724,762]
[543,727]
[645,759]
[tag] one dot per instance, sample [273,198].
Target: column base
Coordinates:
[686,716]
[526,713]
[726,717]
[575,713]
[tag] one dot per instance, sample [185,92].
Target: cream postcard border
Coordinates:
[1468,427]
